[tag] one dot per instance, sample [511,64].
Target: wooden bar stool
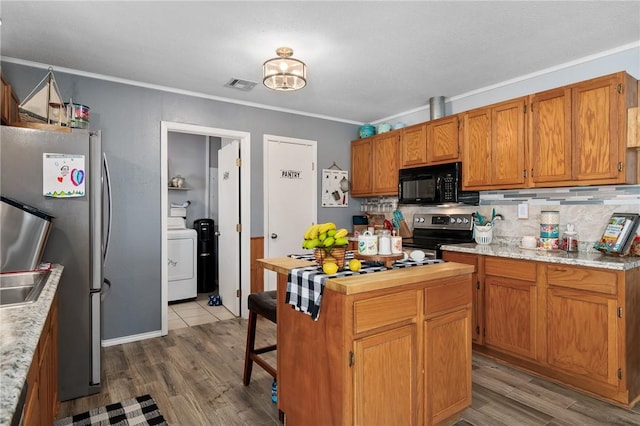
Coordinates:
[263,304]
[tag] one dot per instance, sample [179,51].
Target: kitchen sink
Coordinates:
[21,288]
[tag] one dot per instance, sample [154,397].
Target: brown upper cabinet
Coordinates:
[493,148]
[361,157]
[568,136]
[578,133]
[374,165]
[442,140]
[413,145]
[9,110]
[550,136]
[433,142]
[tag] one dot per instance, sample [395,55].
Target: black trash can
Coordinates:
[206,255]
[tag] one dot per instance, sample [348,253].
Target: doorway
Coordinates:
[242,283]
[290,195]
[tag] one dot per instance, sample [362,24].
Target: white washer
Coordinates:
[181,260]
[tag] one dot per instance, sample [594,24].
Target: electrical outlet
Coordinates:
[523,211]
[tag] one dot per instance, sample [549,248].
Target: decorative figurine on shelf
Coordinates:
[177,181]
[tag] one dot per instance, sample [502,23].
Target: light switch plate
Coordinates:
[523,211]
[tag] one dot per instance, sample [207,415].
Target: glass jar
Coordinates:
[384,242]
[635,247]
[570,241]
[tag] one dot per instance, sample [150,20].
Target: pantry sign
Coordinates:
[63,175]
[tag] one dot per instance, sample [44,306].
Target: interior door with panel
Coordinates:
[229,226]
[290,196]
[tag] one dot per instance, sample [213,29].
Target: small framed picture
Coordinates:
[619,234]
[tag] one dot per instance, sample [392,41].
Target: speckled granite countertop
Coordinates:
[20,329]
[593,259]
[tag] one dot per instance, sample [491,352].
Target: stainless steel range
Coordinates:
[431,231]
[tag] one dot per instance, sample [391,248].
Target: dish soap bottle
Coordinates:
[570,239]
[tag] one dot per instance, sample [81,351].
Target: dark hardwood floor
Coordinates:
[195,376]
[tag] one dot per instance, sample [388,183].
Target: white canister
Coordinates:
[384,242]
[368,244]
[396,244]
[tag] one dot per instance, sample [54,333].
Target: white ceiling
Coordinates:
[366,60]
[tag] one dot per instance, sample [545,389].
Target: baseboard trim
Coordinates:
[131,338]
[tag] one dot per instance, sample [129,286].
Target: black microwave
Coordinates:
[433,185]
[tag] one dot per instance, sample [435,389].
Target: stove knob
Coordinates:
[452,220]
[421,219]
[465,220]
[458,220]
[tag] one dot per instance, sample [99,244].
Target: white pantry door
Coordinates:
[290,196]
[228,219]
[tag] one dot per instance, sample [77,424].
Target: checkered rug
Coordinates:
[137,411]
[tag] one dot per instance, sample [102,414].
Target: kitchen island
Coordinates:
[391,347]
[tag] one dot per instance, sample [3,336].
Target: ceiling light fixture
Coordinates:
[284,73]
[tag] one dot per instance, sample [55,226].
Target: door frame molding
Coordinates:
[265,159]
[245,200]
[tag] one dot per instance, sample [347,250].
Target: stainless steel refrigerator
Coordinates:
[78,239]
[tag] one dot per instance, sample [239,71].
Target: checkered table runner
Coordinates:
[305,285]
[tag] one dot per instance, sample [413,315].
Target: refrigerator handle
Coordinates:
[106,288]
[107,180]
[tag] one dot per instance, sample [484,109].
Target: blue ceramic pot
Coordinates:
[367,130]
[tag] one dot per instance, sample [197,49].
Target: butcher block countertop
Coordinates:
[378,281]
[283,265]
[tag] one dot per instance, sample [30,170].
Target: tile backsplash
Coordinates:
[588,208]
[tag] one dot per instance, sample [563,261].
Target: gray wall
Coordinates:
[623,59]
[129,118]
[186,155]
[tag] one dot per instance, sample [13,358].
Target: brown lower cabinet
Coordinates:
[41,407]
[510,301]
[576,325]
